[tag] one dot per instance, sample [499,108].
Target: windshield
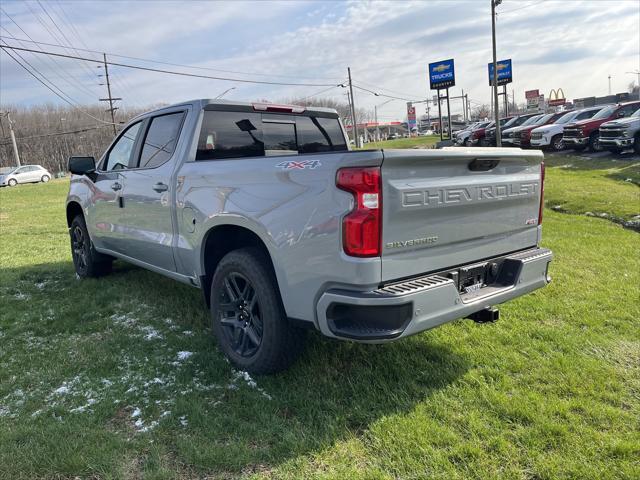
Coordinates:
[512,122]
[7,170]
[605,112]
[637,113]
[531,120]
[544,119]
[566,118]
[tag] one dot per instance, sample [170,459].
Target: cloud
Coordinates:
[387,45]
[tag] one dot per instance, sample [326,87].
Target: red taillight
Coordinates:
[541,193]
[362,227]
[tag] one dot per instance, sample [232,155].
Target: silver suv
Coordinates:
[25,174]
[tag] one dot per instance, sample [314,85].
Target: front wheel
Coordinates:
[12,182]
[594,142]
[556,143]
[248,319]
[45,178]
[636,144]
[86,260]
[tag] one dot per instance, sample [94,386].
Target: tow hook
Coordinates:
[485,315]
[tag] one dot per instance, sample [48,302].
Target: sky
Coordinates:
[572,44]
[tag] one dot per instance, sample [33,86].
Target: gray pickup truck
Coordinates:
[621,133]
[266,210]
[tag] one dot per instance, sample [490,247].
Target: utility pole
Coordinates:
[110,99]
[356,139]
[496,110]
[13,138]
[609,84]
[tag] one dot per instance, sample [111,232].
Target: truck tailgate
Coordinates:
[449,207]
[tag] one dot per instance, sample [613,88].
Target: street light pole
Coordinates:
[496,110]
[353,112]
[609,84]
[224,93]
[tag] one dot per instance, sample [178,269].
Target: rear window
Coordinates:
[238,134]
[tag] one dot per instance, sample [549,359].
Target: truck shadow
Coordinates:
[337,390]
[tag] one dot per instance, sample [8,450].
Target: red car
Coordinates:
[522,138]
[583,134]
[477,135]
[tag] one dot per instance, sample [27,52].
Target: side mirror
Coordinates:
[82,165]
[621,114]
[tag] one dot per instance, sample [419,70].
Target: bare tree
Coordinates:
[48,134]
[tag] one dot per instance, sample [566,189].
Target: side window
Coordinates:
[279,138]
[230,135]
[319,135]
[161,139]
[120,155]
[20,170]
[628,110]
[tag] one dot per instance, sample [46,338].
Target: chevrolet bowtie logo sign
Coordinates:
[442,74]
[556,97]
[504,72]
[441,68]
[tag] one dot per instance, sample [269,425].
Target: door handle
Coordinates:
[161,187]
[116,186]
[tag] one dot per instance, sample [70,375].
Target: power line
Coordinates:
[171,72]
[320,92]
[377,94]
[523,7]
[53,62]
[70,102]
[5,141]
[160,62]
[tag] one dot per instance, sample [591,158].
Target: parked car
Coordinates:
[265,209]
[25,174]
[509,133]
[585,133]
[550,135]
[490,132]
[461,137]
[512,122]
[622,133]
[522,136]
[477,134]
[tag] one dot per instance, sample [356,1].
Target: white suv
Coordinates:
[25,174]
[551,135]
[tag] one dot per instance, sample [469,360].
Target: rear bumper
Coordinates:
[402,309]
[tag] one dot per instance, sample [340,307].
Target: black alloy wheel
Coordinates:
[79,249]
[240,315]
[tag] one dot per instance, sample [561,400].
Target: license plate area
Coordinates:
[471,278]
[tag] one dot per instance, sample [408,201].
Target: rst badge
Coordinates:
[299,164]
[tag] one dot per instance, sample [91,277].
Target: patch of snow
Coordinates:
[21,296]
[41,285]
[183,421]
[63,390]
[150,333]
[187,333]
[184,355]
[136,413]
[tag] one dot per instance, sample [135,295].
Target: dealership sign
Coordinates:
[505,73]
[556,97]
[442,74]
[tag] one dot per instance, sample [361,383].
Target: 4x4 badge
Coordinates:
[299,164]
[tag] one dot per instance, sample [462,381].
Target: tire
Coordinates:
[467,142]
[45,178]
[636,144]
[247,316]
[12,182]
[615,151]
[86,260]
[594,142]
[556,143]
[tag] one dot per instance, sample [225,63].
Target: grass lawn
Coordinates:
[581,185]
[118,377]
[415,142]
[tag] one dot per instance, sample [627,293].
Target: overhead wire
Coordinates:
[171,72]
[68,78]
[70,101]
[161,62]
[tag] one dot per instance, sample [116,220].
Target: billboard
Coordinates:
[505,73]
[411,116]
[532,96]
[442,74]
